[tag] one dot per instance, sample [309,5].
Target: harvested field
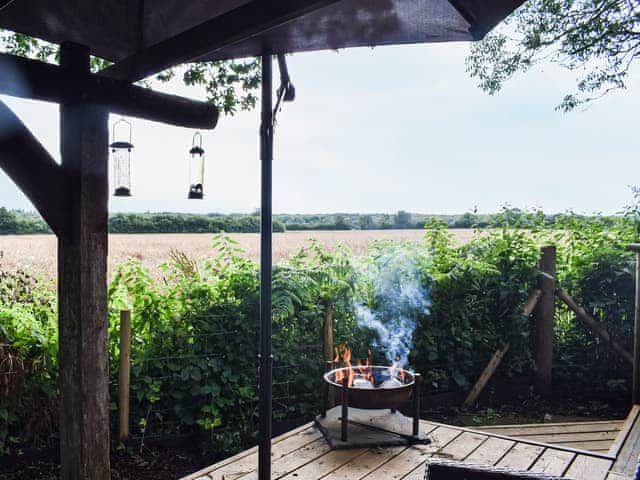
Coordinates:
[37,253]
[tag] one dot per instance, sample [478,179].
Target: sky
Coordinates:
[388,129]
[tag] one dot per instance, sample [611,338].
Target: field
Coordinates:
[37,253]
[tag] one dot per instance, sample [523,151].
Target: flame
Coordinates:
[344,352]
[363,370]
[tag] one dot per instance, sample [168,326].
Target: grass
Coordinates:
[37,253]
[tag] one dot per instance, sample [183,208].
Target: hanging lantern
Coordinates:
[121,153]
[196,168]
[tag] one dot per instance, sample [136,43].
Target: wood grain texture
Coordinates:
[553,462]
[544,314]
[584,467]
[82,288]
[304,455]
[521,456]
[46,82]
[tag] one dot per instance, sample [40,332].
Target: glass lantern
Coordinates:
[196,168]
[121,154]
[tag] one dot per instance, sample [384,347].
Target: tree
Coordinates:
[366,222]
[600,39]
[231,85]
[403,219]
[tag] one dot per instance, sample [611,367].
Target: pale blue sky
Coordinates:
[388,129]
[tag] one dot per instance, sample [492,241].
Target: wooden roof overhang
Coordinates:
[143,37]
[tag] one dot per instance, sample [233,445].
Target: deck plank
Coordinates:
[362,465]
[248,464]
[625,430]
[584,467]
[553,462]
[325,464]
[461,447]
[307,428]
[600,446]
[629,451]
[521,456]
[586,426]
[491,451]
[293,460]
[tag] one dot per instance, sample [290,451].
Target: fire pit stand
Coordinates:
[369,416]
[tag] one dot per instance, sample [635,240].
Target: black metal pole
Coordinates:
[266,357]
[417,390]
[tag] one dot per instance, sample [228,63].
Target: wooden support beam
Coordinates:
[33,170]
[82,285]
[251,19]
[36,80]
[592,323]
[635,388]
[499,354]
[544,314]
[486,375]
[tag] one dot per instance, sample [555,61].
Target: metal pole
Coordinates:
[266,357]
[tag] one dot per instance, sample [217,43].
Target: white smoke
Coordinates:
[399,297]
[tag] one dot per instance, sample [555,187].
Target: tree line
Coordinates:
[18,222]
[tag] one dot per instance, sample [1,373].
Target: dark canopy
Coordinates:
[118,29]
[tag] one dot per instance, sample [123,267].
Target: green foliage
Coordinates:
[195,335]
[28,358]
[600,38]
[20,223]
[477,294]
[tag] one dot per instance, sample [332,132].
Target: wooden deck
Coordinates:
[555,449]
[593,436]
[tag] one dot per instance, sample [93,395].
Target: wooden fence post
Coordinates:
[635,389]
[125,373]
[327,332]
[544,319]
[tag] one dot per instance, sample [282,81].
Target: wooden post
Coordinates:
[635,389]
[82,284]
[499,354]
[125,373]
[544,316]
[327,332]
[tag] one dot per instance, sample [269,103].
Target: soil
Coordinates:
[156,463]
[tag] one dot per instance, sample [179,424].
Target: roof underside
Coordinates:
[117,29]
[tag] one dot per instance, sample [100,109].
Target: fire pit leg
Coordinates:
[345,407]
[417,388]
[325,400]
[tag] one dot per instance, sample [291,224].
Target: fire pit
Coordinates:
[380,387]
[370,398]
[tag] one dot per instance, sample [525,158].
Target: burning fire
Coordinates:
[363,375]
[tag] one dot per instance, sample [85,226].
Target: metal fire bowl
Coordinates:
[372,398]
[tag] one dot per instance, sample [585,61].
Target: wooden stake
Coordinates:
[486,375]
[124,381]
[328,332]
[544,316]
[592,323]
[497,357]
[532,302]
